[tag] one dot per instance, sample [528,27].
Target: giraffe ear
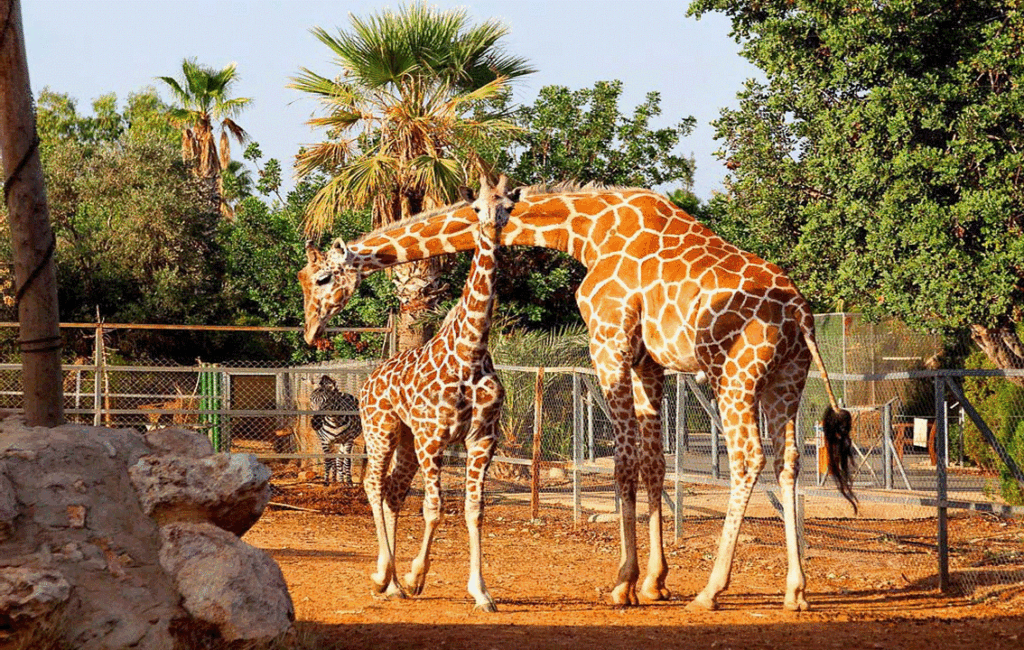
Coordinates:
[312,253]
[466,194]
[339,249]
[514,195]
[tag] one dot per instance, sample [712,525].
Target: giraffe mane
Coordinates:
[565,187]
[416,218]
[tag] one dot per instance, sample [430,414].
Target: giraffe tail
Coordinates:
[836,423]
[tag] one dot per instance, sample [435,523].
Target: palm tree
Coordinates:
[402,118]
[236,184]
[204,103]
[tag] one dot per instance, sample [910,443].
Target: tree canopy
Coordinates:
[879,158]
[401,120]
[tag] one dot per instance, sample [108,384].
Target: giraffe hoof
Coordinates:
[488,607]
[656,593]
[623,595]
[702,604]
[796,605]
[413,584]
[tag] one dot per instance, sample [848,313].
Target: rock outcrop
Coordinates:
[114,539]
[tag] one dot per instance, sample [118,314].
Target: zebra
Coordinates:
[334,428]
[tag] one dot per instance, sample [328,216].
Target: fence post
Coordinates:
[681,438]
[210,403]
[224,409]
[538,427]
[942,534]
[681,413]
[887,445]
[716,470]
[590,425]
[577,450]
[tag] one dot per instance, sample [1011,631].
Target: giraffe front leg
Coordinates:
[479,458]
[416,578]
[648,389]
[403,469]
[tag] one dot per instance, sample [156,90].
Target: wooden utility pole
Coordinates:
[31,235]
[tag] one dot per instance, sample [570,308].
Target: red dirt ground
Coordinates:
[550,579]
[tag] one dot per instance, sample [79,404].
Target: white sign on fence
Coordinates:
[920,432]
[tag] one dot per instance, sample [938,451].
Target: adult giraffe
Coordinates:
[661,291]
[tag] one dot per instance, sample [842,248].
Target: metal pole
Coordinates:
[225,413]
[577,450]
[666,440]
[590,425]
[680,446]
[942,534]
[681,413]
[887,445]
[716,470]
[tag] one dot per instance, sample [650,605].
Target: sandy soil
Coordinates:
[550,579]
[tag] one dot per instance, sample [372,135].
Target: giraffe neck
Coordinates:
[471,319]
[580,224]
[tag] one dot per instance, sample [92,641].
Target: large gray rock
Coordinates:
[225,582]
[228,490]
[31,594]
[69,511]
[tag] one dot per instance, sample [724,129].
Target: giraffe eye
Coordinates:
[323,279]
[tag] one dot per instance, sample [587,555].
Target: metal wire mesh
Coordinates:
[922,465]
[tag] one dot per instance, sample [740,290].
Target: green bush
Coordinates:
[1001,405]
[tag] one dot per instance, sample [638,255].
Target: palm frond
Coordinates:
[326,156]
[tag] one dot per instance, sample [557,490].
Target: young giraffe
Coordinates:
[661,291]
[419,402]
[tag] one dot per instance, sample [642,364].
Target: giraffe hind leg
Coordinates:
[780,406]
[746,460]
[377,485]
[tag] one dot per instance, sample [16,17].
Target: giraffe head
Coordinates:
[494,204]
[327,284]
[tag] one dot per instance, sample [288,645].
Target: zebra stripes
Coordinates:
[331,428]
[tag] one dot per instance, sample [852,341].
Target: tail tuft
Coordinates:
[837,424]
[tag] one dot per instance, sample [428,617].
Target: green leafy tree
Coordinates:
[57,119]
[204,104]
[269,175]
[261,248]
[581,135]
[879,159]
[134,238]
[237,184]
[400,121]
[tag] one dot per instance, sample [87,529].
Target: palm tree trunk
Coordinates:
[31,235]
[1002,346]
[416,285]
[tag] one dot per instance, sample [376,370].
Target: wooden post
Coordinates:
[32,238]
[538,427]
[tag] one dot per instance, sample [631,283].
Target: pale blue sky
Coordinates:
[90,47]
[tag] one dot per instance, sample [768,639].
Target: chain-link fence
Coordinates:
[937,453]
